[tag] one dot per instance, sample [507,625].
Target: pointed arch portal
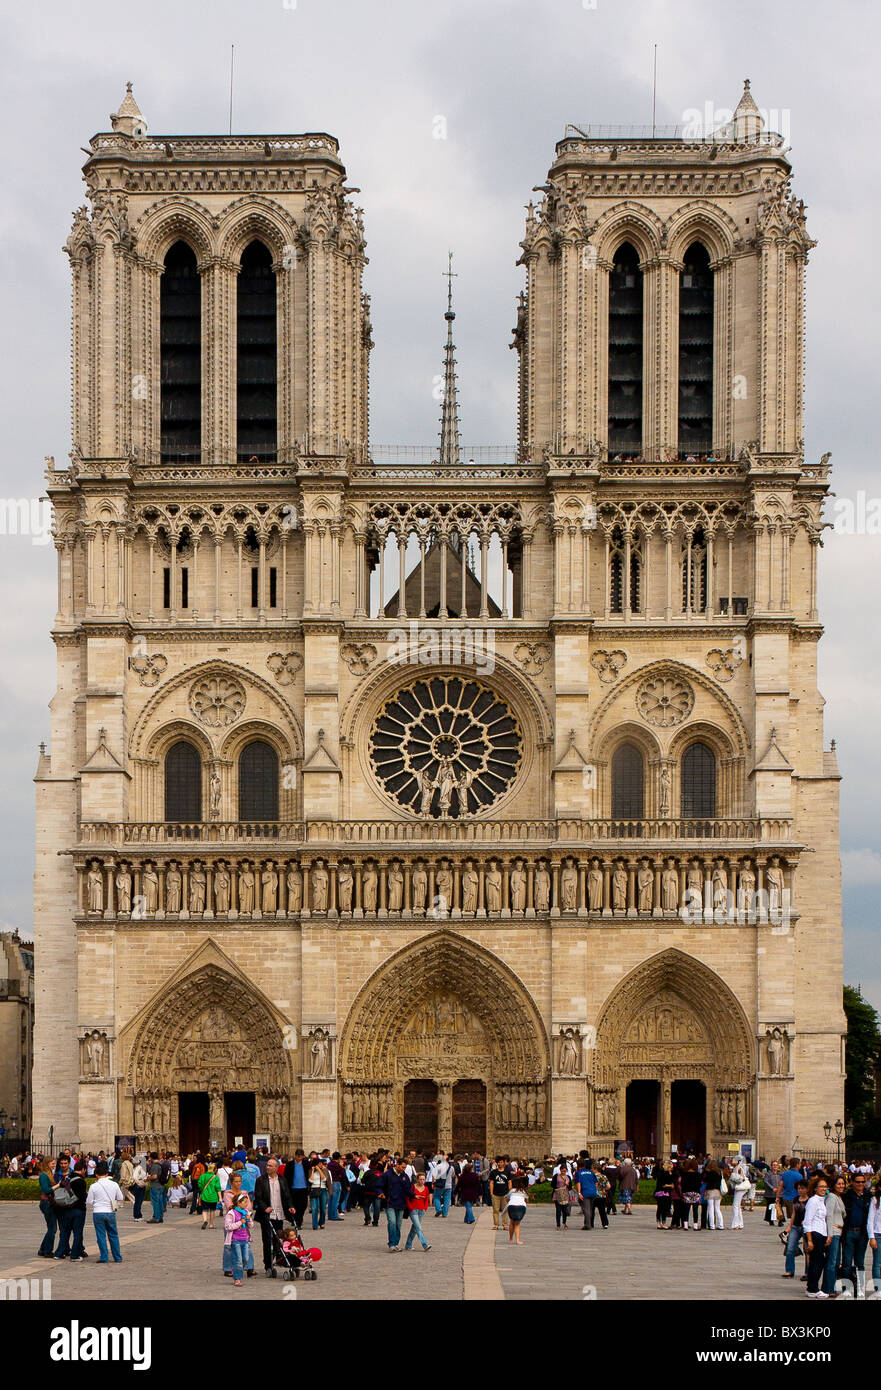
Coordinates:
[444,1046]
[674,1059]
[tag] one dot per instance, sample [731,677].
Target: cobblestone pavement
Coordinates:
[634,1260]
[180,1261]
[631,1260]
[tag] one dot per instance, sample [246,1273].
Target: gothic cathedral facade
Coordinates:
[428,801]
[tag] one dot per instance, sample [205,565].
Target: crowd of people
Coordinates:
[830,1212]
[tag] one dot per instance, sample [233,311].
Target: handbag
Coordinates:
[723,1187]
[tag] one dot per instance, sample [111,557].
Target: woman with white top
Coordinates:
[516,1210]
[104,1194]
[816,1235]
[738,1181]
[873,1226]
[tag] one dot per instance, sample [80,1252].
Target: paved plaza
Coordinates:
[631,1260]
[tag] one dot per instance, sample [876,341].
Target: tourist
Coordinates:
[857,1201]
[469,1191]
[515,1209]
[228,1199]
[795,1232]
[836,1215]
[771,1181]
[691,1194]
[443,1181]
[237,1227]
[601,1198]
[816,1237]
[139,1187]
[612,1173]
[274,1202]
[337,1187]
[47,1209]
[417,1205]
[319,1192]
[250,1172]
[371,1191]
[629,1178]
[105,1197]
[209,1195]
[70,1203]
[125,1175]
[663,1177]
[224,1172]
[561,1185]
[197,1168]
[586,1188]
[873,1230]
[789,1185]
[178,1195]
[499,1187]
[296,1172]
[738,1182]
[713,1180]
[396,1190]
[157,1190]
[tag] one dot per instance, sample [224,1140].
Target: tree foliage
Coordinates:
[862,1055]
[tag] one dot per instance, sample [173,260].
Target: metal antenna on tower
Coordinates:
[232,54]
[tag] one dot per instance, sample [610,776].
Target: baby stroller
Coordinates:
[292,1256]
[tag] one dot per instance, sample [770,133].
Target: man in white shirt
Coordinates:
[103,1196]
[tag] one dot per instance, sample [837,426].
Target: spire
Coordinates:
[747,118]
[128,119]
[449,430]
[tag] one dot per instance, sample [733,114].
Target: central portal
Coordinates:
[420,1117]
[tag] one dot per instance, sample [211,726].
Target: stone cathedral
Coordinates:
[410,798]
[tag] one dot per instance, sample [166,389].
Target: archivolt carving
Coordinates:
[673,1014]
[615,706]
[447,1003]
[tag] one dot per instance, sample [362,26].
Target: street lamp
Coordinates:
[838,1139]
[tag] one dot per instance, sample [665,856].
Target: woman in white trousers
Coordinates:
[739,1184]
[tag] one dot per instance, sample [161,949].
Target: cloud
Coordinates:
[861,866]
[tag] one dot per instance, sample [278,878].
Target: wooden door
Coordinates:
[469,1117]
[420,1116]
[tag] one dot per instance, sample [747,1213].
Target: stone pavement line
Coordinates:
[479,1275]
[126,1238]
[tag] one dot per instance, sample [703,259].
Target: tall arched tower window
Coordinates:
[183,783]
[258,782]
[694,572]
[180,355]
[623,596]
[698,781]
[625,352]
[696,352]
[256,369]
[628,783]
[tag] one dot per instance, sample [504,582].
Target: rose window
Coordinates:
[665,700]
[217,701]
[445,747]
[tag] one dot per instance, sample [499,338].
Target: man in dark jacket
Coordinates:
[273,1205]
[396,1191]
[855,1235]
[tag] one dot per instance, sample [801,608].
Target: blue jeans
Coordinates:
[65,1230]
[876,1264]
[157,1199]
[318,1207]
[395,1219]
[79,1222]
[416,1231]
[793,1243]
[138,1194]
[831,1273]
[47,1246]
[241,1257]
[334,1204]
[853,1248]
[105,1229]
[469,1214]
[442,1198]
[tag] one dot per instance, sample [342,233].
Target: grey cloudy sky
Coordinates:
[506,75]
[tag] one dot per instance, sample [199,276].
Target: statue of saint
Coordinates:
[645,880]
[150,887]
[420,887]
[345,880]
[369,884]
[246,888]
[320,1051]
[568,1053]
[197,889]
[518,887]
[269,882]
[595,886]
[95,888]
[214,794]
[426,792]
[542,887]
[670,887]
[493,887]
[173,883]
[443,883]
[395,887]
[569,886]
[95,1049]
[123,890]
[221,887]
[319,887]
[295,888]
[619,887]
[470,884]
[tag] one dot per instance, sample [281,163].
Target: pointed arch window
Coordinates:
[628,783]
[180,356]
[183,783]
[257,355]
[625,558]
[698,781]
[696,352]
[694,572]
[258,782]
[625,352]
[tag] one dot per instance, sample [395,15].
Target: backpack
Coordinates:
[164,1172]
